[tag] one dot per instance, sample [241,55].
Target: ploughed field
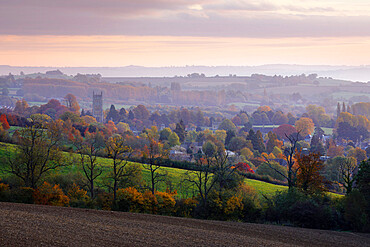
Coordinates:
[37,225]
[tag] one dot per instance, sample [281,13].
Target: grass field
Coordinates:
[348,95]
[328,131]
[174,178]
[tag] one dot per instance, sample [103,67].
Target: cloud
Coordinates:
[176,18]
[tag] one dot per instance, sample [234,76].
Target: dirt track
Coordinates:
[35,225]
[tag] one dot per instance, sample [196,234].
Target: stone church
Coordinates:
[97,108]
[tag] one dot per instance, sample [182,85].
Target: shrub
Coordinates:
[104,201]
[185,207]
[78,197]
[149,202]
[22,195]
[129,199]
[4,192]
[294,207]
[47,194]
[165,202]
[355,211]
[265,169]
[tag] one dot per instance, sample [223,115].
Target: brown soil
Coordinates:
[36,225]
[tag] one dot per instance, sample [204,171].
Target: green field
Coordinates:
[328,131]
[174,176]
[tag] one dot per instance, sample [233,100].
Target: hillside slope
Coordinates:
[35,225]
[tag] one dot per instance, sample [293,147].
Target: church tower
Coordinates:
[97,108]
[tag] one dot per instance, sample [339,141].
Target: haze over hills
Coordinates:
[353,73]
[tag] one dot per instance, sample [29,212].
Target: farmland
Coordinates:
[58,226]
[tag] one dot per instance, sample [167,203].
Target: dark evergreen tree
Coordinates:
[180,131]
[229,135]
[338,110]
[316,145]
[131,115]
[122,114]
[113,114]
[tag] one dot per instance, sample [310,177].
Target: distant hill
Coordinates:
[353,73]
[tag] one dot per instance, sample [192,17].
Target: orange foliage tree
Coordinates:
[305,126]
[4,122]
[309,177]
[47,194]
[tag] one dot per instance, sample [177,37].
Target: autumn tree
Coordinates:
[89,148]
[72,103]
[4,122]
[21,106]
[309,177]
[358,153]
[37,153]
[305,126]
[284,130]
[119,152]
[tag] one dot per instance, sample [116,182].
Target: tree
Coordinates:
[202,178]
[358,153]
[289,154]
[37,153]
[113,114]
[123,127]
[363,182]
[347,168]
[309,177]
[227,124]
[316,145]
[230,134]
[265,169]
[153,153]
[89,148]
[237,143]
[272,142]
[284,130]
[71,102]
[4,122]
[141,112]
[21,106]
[119,152]
[305,126]
[165,134]
[338,110]
[173,139]
[180,131]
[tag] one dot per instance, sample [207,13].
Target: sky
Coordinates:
[113,33]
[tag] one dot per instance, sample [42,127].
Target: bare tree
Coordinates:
[289,153]
[37,152]
[120,153]
[213,168]
[89,149]
[152,156]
